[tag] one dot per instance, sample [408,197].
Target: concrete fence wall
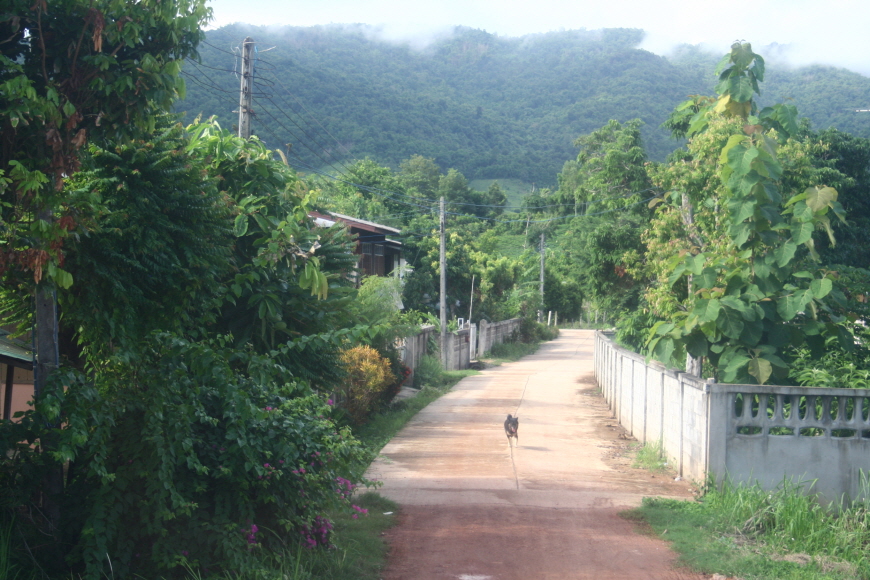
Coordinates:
[458,349]
[748,433]
[491,334]
[415,347]
[462,347]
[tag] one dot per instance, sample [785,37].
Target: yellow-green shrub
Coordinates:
[369,375]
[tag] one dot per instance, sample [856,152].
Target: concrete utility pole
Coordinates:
[541,309]
[443,299]
[471,300]
[246,89]
[693,365]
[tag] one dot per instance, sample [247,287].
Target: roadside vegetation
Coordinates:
[217,385]
[743,531]
[753,534]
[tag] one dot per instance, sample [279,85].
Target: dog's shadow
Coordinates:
[531,448]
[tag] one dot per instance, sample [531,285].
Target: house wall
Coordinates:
[22,390]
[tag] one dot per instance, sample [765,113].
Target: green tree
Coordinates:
[723,246]
[609,171]
[159,248]
[72,72]
[421,175]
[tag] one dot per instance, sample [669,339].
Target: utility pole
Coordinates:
[246,89]
[693,365]
[443,300]
[541,310]
[471,299]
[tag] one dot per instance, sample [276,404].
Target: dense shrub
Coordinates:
[533,331]
[369,375]
[197,455]
[429,371]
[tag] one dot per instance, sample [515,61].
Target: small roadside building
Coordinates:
[378,254]
[16,373]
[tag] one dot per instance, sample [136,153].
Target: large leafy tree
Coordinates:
[158,248]
[608,172]
[73,71]
[733,286]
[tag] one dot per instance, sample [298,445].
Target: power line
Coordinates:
[207,43]
[304,108]
[314,138]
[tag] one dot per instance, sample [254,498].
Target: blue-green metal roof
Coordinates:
[15,352]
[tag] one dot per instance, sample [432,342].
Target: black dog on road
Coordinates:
[511,426]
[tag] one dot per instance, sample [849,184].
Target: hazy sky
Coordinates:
[830,32]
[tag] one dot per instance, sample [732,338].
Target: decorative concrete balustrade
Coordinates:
[748,433]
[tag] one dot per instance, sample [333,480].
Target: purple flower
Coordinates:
[265,465]
[281,461]
[184,552]
[329,402]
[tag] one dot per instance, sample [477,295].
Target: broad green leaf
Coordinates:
[740,232]
[785,253]
[240,225]
[801,232]
[706,310]
[664,350]
[745,162]
[733,141]
[697,345]
[752,332]
[695,264]
[706,279]
[789,305]
[820,288]
[760,369]
[803,212]
[741,209]
[730,321]
[735,364]
[819,198]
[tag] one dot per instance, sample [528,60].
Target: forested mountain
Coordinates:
[489,106]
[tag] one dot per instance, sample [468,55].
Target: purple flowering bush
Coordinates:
[199,455]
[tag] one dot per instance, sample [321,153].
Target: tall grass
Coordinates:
[791,519]
[754,533]
[10,569]
[511,351]
[651,456]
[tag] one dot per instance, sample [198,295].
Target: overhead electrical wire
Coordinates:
[386,194]
[316,120]
[317,138]
[207,43]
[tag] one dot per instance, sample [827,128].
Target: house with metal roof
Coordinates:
[16,372]
[379,255]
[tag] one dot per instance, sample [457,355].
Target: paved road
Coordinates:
[475,509]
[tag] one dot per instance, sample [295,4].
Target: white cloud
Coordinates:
[833,32]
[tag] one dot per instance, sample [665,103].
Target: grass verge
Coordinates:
[752,534]
[384,426]
[510,351]
[651,457]
[360,550]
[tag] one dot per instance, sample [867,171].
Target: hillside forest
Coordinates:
[204,361]
[491,107]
